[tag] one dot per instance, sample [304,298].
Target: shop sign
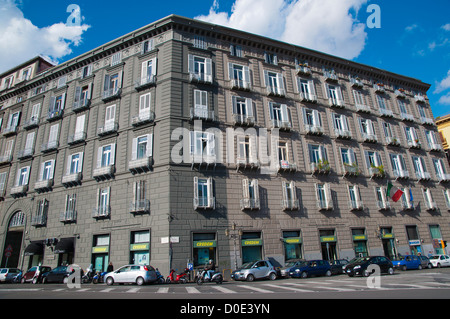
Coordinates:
[293,240]
[140,246]
[205,243]
[386,236]
[359,237]
[415,242]
[100,249]
[327,239]
[251,242]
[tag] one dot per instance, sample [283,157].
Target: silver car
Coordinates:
[133,274]
[255,270]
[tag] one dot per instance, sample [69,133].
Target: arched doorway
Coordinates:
[13,242]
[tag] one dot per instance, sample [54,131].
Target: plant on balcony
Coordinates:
[323,165]
[380,169]
[352,168]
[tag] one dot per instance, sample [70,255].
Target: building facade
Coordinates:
[185,141]
[443,125]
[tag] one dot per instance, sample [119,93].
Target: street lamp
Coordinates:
[234,234]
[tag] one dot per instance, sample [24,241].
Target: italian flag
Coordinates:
[393,192]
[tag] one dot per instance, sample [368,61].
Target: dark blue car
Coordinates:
[311,268]
[407,262]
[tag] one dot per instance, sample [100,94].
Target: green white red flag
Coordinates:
[393,192]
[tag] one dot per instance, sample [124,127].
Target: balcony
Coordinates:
[145,82]
[240,85]
[275,91]
[140,165]
[356,82]
[111,94]
[370,138]
[362,108]
[393,141]
[340,133]
[289,204]
[76,138]
[50,146]
[320,168]
[244,120]
[208,202]
[423,176]
[141,119]
[249,204]
[303,69]
[386,112]
[379,88]
[71,179]
[285,166]
[18,191]
[68,216]
[415,144]
[382,205]
[81,105]
[407,205]
[31,123]
[333,101]
[26,153]
[101,212]
[54,115]
[400,93]
[5,159]
[313,130]
[442,177]
[426,121]
[247,163]
[140,206]
[308,97]
[108,128]
[325,204]
[104,172]
[202,114]
[281,124]
[431,205]
[377,171]
[10,130]
[43,186]
[354,205]
[407,117]
[200,78]
[400,174]
[39,220]
[436,147]
[419,98]
[330,76]
[350,169]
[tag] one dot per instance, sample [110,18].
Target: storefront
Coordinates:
[13,241]
[436,238]
[388,242]
[35,252]
[414,240]
[140,248]
[65,249]
[204,248]
[328,244]
[292,245]
[251,244]
[100,252]
[360,242]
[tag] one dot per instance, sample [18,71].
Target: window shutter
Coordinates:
[208,73]
[80,162]
[52,104]
[79,124]
[99,156]
[144,74]
[107,83]
[352,156]
[271,110]
[113,153]
[52,169]
[63,101]
[280,82]
[53,135]
[253,149]
[134,149]
[149,150]
[316,187]
[211,200]
[30,140]
[191,66]
[77,97]
[247,74]
[195,192]
[245,191]
[316,117]
[249,107]
[27,176]
[284,112]
[284,190]
[328,195]
[266,78]
[230,71]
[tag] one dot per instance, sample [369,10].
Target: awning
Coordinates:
[64,246]
[34,248]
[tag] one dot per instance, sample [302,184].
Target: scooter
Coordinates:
[88,276]
[99,277]
[216,277]
[159,277]
[177,277]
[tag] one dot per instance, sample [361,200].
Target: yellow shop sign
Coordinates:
[205,243]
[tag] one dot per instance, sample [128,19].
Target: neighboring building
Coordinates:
[443,125]
[182,140]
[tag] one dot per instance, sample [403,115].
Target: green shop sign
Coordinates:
[252,242]
[205,243]
[293,240]
[100,249]
[141,246]
[359,237]
[328,239]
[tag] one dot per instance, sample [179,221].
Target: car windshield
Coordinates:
[60,269]
[290,263]
[398,258]
[359,259]
[247,265]
[434,257]
[3,271]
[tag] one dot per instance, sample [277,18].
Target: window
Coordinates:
[279,115]
[446,197]
[433,140]
[22,176]
[306,90]
[40,217]
[56,105]
[144,106]
[7,83]
[430,204]
[116,58]
[340,124]
[350,165]
[26,74]
[82,96]
[360,101]
[103,208]
[70,211]
[236,50]
[334,95]
[7,153]
[250,198]
[389,134]
[420,168]
[382,202]
[239,76]
[323,196]
[3,182]
[271,58]
[247,150]
[367,130]
[411,137]
[440,170]
[374,163]
[202,147]
[112,85]
[200,69]
[147,46]
[355,197]
[203,193]
[142,147]
[47,169]
[382,105]
[290,201]
[399,166]
[105,155]
[407,198]
[148,71]
[140,203]
[242,110]
[74,163]
[312,121]
[200,109]
[13,121]
[274,83]
[317,153]
[86,71]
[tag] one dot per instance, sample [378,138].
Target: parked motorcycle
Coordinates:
[88,276]
[99,277]
[159,277]
[173,277]
[216,277]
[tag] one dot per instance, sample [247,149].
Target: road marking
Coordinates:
[163,290]
[411,285]
[133,290]
[334,288]
[60,289]
[224,290]
[289,288]
[192,290]
[256,289]
[107,290]
[82,290]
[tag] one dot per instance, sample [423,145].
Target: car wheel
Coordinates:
[109,281]
[35,280]
[44,280]
[272,276]
[304,275]
[22,281]
[390,271]
[328,273]
[65,280]
[420,267]
[438,265]
[404,268]
[140,281]
[250,277]
[430,266]
[366,273]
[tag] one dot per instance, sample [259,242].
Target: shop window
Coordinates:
[204,248]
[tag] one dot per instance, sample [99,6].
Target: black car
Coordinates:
[359,266]
[58,275]
[337,266]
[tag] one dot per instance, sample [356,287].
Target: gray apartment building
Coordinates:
[185,141]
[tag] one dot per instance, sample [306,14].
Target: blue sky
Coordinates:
[414,38]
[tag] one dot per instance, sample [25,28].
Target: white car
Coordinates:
[440,261]
[132,274]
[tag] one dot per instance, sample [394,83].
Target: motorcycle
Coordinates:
[183,277]
[99,277]
[159,277]
[88,276]
[216,277]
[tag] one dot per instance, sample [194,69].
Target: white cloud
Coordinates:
[445,99]
[21,40]
[323,25]
[446,27]
[444,84]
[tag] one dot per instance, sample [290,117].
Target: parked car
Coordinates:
[255,270]
[440,261]
[8,274]
[34,274]
[407,262]
[311,268]
[337,266]
[132,274]
[358,266]
[58,274]
[284,271]
[425,261]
